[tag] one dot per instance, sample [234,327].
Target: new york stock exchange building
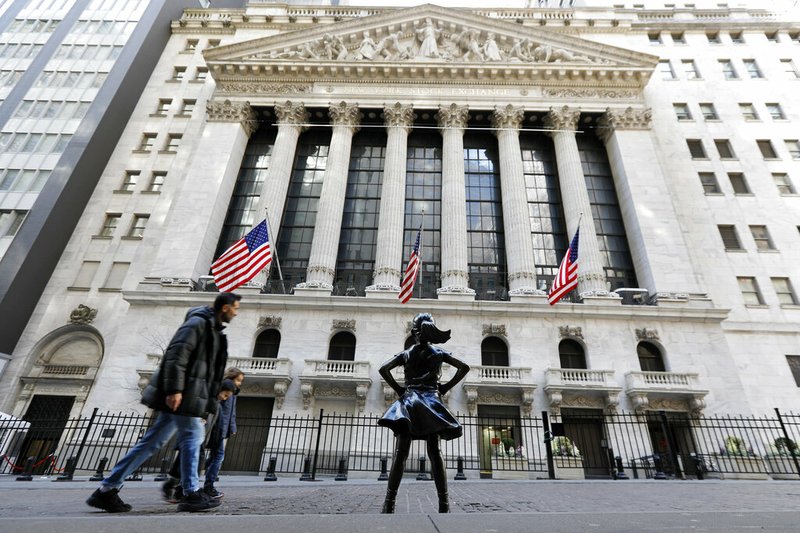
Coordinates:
[499,132]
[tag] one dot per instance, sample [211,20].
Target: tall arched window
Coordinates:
[494,352]
[650,358]
[571,354]
[342,347]
[268,343]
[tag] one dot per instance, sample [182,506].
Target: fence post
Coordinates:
[422,476]
[77,455]
[341,475]
[306,475]
[548,437]
[27,475]
[271,470]
[316,448]
[789,441]
[384,474]
[99,475]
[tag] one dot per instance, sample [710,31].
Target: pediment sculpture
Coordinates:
[429,41]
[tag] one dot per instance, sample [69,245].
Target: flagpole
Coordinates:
[419,255]
[274,245]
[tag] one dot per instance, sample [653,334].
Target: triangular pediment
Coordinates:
[431,41]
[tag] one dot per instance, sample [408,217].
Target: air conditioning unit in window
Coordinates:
[206,284]
[633,296]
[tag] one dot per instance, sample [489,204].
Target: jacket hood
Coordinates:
[204,311]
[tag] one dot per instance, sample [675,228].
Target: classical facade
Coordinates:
[500,133]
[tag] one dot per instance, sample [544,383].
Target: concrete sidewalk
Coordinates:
[289,505]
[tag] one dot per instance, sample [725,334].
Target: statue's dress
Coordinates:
[420,411]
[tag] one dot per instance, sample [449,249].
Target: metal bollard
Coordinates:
[633,469]
[271,470]
[341,475]
[27,474]
[700,467]
[620,468]
[384,475]
[422,476]
[99,475]
[460,473]
[136,475]
[162,474]
[69,470]
[306,476]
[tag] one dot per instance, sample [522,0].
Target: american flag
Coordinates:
[567,275]
[243,260]
[410,277]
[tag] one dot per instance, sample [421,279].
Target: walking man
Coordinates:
[183,390]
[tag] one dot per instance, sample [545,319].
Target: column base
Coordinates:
[304,289]
[383,291]
[539,298]
[597,298]
[522,291]
[455,294]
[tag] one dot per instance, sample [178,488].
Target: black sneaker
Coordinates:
[168,490]
[108,501]
[213,493]
[197,501]
[177,495]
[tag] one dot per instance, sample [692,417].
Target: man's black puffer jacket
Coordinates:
[193,364]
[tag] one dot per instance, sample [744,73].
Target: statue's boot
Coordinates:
[388,503]
[444,502]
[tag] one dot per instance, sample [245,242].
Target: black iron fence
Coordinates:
[574,444]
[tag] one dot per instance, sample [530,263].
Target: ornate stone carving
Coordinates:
[570,331]
[344,114]
[280,387]
[527,401]
[565,118]
[472,399]
[555,398]
[256,87]
[696,405]
[292,113]
[579,400]
[508,117]
[612,402]
[669,404]
[82,314]
[627,119]
[579,92]
[639,401]
[494,329]
[361,396]
[452,116]
[307,391]
[398,116]
[645,334]
[349,325]
[270,321]
[177,282]
[389,395]
[227,111]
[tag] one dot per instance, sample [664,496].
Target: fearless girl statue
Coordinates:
[419,413]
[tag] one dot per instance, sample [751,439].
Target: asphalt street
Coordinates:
[289,506]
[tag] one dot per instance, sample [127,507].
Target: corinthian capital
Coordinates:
[398,116]
[344,114]
[227,111]
[453,116]
[623,119]
[508,117]
[565,118]
[291,113]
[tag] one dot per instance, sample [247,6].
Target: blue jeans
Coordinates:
[214,463]
[190,437]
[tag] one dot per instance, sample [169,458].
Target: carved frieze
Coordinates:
[270,321]
[494,329]
[570,332]
[588,92]
[348,324]
[645,334]
[82,314]
[669,404]
[265,87]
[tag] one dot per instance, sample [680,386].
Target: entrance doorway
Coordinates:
[48,416]
[672,438]
[243,454]
[498,431]
[584,427]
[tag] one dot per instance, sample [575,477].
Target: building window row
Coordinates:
[23,180]
[179,74]
[760,234]
[53,79]
[10,77]
[192,45]
[751,292]
[20,50]
[88,51]
[165,106]
[65,110]
[714,37]
[748,111]
[131,179]
[32,26]
[710,185]
[727,67]
[170,146]
[40,143]
[10,221]
[103,27]
[135,230]
[113,280]
[725,150]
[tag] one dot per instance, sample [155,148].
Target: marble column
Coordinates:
[389,247]
[516,223]
[455,274]
[660,253]
[202,200]
[292,120]
[575,198]
[325,245]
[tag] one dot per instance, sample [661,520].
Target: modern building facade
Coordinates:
[667,135]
